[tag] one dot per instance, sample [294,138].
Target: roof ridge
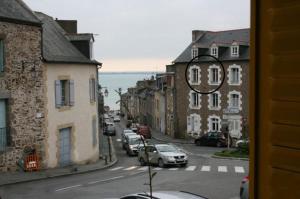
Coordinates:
[231,30]
[27,8]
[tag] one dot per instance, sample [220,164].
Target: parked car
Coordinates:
[162,155]
[164,195]
[110,129]
[244,189]
[117,119]
[241,142]
[144,131]
[124,134]
[132,144]
[134,127]
[213,139]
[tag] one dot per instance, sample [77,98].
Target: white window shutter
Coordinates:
[57,94]
[189,126]
[72,92]
[197,123]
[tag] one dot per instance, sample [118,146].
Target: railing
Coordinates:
[4,138]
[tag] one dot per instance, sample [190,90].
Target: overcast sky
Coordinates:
[145,35]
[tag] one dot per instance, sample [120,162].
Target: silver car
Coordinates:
[132,144]
[162,155]
[124,134]
[164,195]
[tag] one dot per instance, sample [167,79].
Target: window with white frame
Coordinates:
[214,51]
[235,76]
[194,75]
[214,101]
[235,51]
[214,123]
[214,75]
[235,100]
[193,124]
[194,52]
[194,101]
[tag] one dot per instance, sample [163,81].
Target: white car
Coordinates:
[117,119]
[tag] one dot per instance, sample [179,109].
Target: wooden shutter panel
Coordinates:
[189,126]
[1,56]
[72,92]
[90,90]
[57,94]
[94,128]
[95,90]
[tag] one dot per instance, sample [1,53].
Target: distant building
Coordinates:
[196,114]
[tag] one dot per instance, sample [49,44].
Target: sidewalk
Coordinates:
[7,178]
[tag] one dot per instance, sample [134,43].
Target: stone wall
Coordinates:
[23,80]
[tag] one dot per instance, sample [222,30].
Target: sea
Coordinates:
[124,80]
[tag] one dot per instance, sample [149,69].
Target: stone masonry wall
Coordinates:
[24,80]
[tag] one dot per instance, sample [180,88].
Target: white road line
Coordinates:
[191,168]
[130,168]
[205,168]
[70,187]
[116,168]
[173,169]
[143,168]
[157,169]
[109,179]
[239,169]
[118,140]
[222,169]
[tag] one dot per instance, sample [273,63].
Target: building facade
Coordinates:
[47,92]
[225,109]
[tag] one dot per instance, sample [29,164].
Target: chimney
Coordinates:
[70,26]
[196,34]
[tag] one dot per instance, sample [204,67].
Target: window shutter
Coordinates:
[1,56]
[94,89]
[94,129]
[189,124]
[57,94]
[90,90]
[72,92]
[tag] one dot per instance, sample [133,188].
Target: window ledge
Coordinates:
[64,108]
[234,84]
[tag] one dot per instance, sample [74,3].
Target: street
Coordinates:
[206,176]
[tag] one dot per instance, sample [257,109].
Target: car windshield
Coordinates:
[166,148]
[136,140]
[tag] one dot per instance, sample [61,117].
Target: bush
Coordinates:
[244,147]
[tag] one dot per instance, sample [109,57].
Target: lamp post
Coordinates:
[104,125]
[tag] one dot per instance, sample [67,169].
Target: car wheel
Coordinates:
[219,144]
[198,142]
[127,152]
[142,162]
[161,163]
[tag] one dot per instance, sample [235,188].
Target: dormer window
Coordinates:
[214,51]
[234,50]
[194,52]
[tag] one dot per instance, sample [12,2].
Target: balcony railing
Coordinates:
[4,138]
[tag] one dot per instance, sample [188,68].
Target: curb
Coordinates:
[229,158]
[59,175]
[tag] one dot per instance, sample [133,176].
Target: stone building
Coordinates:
[47,91]
[196,114]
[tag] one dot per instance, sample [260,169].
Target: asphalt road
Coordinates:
[212,178]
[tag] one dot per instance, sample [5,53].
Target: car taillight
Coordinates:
[245,179]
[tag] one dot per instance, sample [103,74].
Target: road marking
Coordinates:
[70,187]
[239,169]
[222,169]
[205,168]
[119,140]
[173,169]
[157,169]
[130,168]
[109,179]
[116,168]
[143,168]
[191,168]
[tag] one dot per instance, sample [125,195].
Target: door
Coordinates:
[234,126]
[65,147]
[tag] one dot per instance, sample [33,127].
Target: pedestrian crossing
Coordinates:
[202,168]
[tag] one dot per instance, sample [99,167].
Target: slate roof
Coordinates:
[221,39]
[56,46]
[16,11]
